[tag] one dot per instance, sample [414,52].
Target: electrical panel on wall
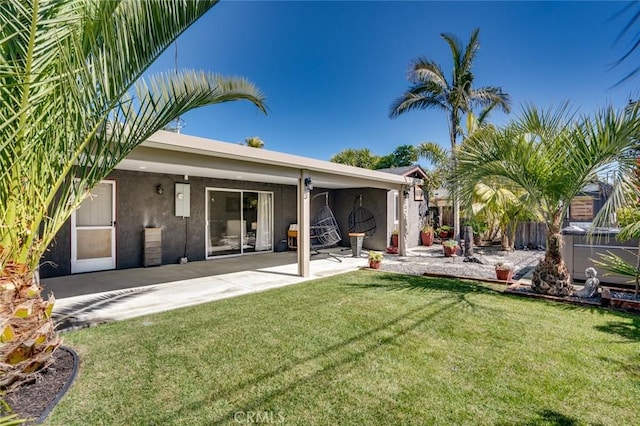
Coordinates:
[183,199]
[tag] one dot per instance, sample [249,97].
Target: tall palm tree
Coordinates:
[73,105]
[430,89]
[551,155]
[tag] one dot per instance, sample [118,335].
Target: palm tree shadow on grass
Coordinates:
[448,288]
[68,318]
[375,339]
[399,282]
[448,294]
[631,366]
[553,417]
[629,331]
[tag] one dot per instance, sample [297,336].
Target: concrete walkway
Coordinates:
[159,291]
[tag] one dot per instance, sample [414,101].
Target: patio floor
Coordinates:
[98,282]
[87,299]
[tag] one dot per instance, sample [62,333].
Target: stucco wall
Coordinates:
[138,206]
[413,218]
[374,200]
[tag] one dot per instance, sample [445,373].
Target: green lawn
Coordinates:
[361,348]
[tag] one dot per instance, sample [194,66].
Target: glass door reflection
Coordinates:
[224,222]
[239,222]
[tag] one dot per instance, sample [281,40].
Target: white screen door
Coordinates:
[93,231]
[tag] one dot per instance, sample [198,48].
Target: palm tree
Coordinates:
[504,205]
[254,142]
[430,89]
[439,159]
[551,156]
[73,105]
[356,157]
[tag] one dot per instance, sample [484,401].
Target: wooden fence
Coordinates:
[531,235]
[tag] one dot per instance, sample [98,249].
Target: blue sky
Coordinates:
[330,70]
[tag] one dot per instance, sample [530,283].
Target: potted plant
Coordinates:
[504,272]
[450,248]
[375,258]
[426,235]
[394,238]
[443,231]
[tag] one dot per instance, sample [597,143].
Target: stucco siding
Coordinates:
[138,205]
[374,200]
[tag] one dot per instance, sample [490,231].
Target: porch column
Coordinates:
[402,232]
[304,226]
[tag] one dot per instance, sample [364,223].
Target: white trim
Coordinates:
[97,264]
[206,226]
[168,152]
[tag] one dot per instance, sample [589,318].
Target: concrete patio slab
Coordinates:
[162,294]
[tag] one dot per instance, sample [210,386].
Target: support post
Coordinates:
[402,232]
[304,227]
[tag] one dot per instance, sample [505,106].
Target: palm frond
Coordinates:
[433,153]
[489,98]
[457,50]
[423,70]
[617,265]
[66,70]
[632,45]
[411,101]
[470,50]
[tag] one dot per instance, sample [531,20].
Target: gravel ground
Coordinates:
[431,259]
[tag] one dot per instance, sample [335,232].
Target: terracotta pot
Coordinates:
[450,251]
[504,274]
[426,238]
[477,240]
[443,234]
[451,233]
[394,240]
[374,264]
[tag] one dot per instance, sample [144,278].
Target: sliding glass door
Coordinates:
[238,222]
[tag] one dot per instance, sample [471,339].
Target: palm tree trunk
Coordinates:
[637,269]
[453,127]
[28,334]
[504,239]
[551,276]
[513,227]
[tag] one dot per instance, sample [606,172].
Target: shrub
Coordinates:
[450,243]
[375,256]
[627,216]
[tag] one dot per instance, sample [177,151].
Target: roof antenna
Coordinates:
[178,123]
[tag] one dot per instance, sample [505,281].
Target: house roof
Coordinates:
[597,188]
[407,171]
[173,153]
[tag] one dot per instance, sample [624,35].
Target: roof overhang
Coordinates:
[173,153]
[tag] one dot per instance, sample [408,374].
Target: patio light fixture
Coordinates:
[308,184]
[159,189]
